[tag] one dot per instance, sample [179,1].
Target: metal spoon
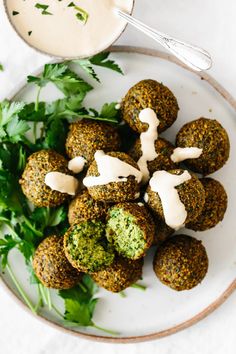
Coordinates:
[196,58]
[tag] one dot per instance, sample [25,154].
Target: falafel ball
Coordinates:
[52,267]
[33,178]
[209,135]
[87,248]
[162,232]
[181,262]
[191,194]
[115,191]
[121,274]
[86,137]
[130,229]
[149,94]
[214,208]
[164,150]
[83,207]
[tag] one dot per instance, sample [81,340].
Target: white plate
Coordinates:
[160,311]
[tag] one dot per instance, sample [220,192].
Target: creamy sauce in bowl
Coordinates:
[58,30]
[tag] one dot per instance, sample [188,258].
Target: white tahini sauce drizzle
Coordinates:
[181,154]
[147,140]
[164,184]
[61,182]
[111,169]
[77,164]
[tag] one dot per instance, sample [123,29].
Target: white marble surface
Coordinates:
[209,23]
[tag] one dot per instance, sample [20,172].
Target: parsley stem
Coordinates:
[40,300]
[49,300]
[82,287]
[57,311]
[19,288]
[13,233]
[41,289]
[139,286]
[36,107]
[113,333]
[30,226]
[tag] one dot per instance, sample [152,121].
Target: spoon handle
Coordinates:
[195,57]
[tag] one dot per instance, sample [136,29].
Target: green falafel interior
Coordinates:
[87,248]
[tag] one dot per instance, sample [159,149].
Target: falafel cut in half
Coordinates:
[52,267]
[87,248]
[33,178]
[163,161]
[85,137]
[130,229]
[83,207]
[115,192]
[191,194]
[214,208]
[121,274]
[149,94]
[181,262]
[212,138]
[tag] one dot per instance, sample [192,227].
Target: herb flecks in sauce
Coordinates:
[44,8]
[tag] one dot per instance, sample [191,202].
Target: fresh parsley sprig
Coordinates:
[23,228]
[80,305]
[101,60]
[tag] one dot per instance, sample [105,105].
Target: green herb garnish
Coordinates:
[1,67]
[81,14]
[100,59]
[23,228]
[80,304]
[44,8]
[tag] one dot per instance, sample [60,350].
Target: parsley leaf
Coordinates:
[80,302]
[109,113]
[98,60]
[11,128]
[6,245]
[63,77]
[1,67]
[101,60]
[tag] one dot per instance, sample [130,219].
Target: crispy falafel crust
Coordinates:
[215,206]
[209,135]
[181,262]
[86,137]
[115,191]
[163,148]
[83,207]
[121,274]
[191,194]
[51,265]
[149,94]
[32,181]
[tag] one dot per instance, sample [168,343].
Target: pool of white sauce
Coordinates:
[62,34]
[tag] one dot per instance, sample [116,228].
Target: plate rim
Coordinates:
[207,310]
